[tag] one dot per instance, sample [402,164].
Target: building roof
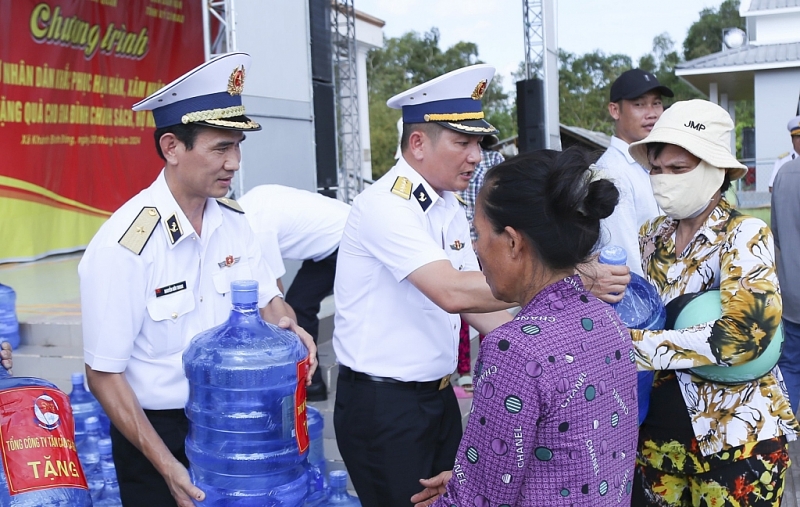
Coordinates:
[590,138]
[750,57]
[768,5]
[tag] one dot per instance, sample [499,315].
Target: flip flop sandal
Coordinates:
[465,382]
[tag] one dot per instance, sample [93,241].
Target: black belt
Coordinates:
[431,385]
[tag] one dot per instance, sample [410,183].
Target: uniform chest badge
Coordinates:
[229,261]
[457,245]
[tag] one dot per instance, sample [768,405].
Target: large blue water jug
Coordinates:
[337,493]
[640,308]
[9,325]
[248,437]
[40,466]
[84,405]
[316,459]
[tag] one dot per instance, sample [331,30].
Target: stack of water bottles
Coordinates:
[640,308]
[94,445]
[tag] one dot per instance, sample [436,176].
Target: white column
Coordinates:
[713,93]
[363,109]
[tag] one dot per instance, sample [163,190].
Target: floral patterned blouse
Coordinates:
[733,253]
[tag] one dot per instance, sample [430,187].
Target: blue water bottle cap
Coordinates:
[338,479]
[104,445]
[77,379]
[244,292]
[614,255]
[92,423]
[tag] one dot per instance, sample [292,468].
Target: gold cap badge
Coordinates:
[236,81]
[480,89]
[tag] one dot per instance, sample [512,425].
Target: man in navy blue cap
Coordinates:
[159,271]
[405,272]
[635,106]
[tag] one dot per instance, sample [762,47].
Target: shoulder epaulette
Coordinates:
[460,199]
[402,187]
[139,232]
[782,155]
[230,204]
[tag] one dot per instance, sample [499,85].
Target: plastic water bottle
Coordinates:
[640,308]
[109,496]
[316,459]
[40,466]
[338,494]
[104,446]
[84,405]
[89,454]
[9,325]
[248,438]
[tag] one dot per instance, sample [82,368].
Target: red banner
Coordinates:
[70,70]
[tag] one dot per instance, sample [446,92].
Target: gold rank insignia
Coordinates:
[460,199]
[139,232]
[174,228]
[402,187]
[457,245]
[230,204]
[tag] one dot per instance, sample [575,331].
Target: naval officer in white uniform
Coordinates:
[406,270]
[159,271]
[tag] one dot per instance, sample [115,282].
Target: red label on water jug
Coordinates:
[38,440]
[301,419]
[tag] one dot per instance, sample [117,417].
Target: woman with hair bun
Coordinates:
[554,417]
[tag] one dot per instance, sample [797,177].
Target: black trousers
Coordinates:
[391,436]
[312,284]
[140,484]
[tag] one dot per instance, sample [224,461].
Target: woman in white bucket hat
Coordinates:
[704,442]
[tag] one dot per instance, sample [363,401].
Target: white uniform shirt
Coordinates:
[127,327]
[294,224]
[384,325]
[779,163]
[636,202]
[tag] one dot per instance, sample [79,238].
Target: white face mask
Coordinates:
[687,195]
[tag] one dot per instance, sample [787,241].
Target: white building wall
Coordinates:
[777,29]
[368,36]
[776,95]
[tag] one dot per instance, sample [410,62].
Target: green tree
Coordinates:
[407,61]
[705,35]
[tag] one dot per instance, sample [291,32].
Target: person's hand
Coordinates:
[308,341]
[181,487]
[5,355]
[605,281]
[434,487]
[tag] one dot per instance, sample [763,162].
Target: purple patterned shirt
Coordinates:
[554,417]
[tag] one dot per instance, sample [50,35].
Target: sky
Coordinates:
[612,26]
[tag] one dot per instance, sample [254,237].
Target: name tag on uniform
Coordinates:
[169,289]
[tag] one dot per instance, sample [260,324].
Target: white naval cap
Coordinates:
[452,100]
[794,126]
[210,94]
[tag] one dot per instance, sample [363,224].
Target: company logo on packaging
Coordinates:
[46,410]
